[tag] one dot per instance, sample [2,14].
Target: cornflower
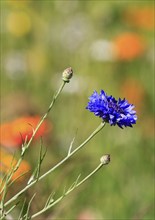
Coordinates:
[115,112]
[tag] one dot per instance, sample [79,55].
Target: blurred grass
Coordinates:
[60,35]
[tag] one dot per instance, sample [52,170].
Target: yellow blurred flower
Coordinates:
[37,60]
[18,3]
[18,23]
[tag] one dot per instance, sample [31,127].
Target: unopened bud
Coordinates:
[67,74]
[105,159]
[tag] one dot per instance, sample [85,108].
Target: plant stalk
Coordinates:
[68,191]
[57,165]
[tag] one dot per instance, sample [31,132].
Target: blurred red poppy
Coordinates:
[128,46]
[13,134]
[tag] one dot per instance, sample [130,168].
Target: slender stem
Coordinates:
[46,114]
[68,191]
[34,132]
[74,151]
[57,165]
[36,129]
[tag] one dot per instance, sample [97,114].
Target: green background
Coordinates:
[61,34]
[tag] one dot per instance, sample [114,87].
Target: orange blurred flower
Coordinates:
[140,17]
[128,46]
[134,92]
[8,162]
[13,134]
[148,126]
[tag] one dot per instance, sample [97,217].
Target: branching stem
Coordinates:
[68,191]
[57,165]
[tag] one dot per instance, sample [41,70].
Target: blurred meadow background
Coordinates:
[110,46]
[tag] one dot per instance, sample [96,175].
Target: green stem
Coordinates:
[36,129]
[46,114]
[57,165]
[68,192]
[74,151]
[31,139]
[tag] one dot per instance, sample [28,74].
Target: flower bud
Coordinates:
[67,74]
[105,159]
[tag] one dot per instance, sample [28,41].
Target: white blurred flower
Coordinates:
[76,86]
[151,55]
[75,32]
[70,34]
[8,217]
[66,8]
[15,65]
[102,50]
[89,214]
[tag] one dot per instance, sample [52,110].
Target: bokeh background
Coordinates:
[110,46]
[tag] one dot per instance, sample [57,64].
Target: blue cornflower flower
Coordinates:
[115,112]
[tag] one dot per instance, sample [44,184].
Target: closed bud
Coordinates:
[105,159]
[67,74]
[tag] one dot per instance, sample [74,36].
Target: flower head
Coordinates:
[67,74]
[115,112]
